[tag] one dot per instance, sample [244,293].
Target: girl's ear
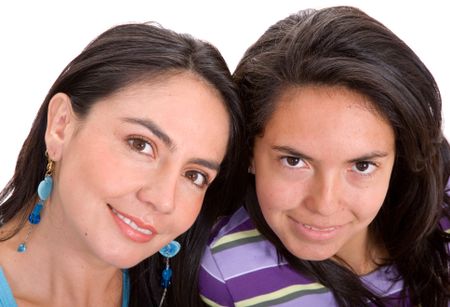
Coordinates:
[60,122]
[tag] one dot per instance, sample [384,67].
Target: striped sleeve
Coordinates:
[213,288]
[240,268]
[445,224]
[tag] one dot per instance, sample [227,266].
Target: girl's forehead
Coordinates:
[354,99]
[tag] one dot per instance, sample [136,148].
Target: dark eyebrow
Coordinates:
[154,128]
[206,163]
[292,152]
[370,156]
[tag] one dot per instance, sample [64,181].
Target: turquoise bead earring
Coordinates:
[168,252]
[44,189]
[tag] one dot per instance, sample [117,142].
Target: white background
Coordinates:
[38,39]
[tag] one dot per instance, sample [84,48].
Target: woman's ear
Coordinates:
[251,168]
[60,121]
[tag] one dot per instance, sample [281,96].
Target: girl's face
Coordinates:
[322,170]
[132,175]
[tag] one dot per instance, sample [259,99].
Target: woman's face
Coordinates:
[322,170]
[132,175]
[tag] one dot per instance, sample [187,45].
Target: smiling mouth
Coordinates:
[131,223]
[325,229]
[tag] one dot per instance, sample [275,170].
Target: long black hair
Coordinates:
[119,57]
[343,46]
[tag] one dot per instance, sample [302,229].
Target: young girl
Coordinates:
[116,166]
[346,204]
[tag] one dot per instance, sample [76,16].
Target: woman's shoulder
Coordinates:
[6,296]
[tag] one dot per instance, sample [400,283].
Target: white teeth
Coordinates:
[131,223]
[319,229]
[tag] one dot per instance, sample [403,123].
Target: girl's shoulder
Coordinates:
[241,267]
[238,247]
[444,223]
[234,224]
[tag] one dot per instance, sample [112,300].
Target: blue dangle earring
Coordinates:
[168,252]
[44,189]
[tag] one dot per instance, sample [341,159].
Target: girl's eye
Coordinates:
[197,178]
[141,145]
[364,167]
[293,162]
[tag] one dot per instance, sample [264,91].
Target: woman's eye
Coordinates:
[293,162]
[364,167]
[141,145]
[197,178]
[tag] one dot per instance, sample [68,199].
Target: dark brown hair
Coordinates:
[343,46]
[119,57]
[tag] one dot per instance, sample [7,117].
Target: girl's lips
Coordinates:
[320,229]
[315,232]
[132,227]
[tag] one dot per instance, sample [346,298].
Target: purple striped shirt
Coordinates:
[241,268]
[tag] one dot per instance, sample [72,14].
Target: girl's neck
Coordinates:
[362,258]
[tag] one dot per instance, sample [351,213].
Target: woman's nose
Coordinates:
[159,191]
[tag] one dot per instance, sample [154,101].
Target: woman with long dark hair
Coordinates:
[138,136]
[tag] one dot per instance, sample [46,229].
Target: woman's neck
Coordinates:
[53,271]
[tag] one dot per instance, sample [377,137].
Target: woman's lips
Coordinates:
[132,227]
